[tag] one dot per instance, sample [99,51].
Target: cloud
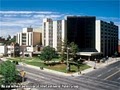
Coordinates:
[5,31]
[39,16]
[13,21]
[109,18]
[10,15]
[27,12]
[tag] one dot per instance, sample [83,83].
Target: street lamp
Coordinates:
[79,70]
[23,63]
[95,64]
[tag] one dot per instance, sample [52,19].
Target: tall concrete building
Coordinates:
[53,32]
[81,31]
[92,36]
[106,37]
[29,37]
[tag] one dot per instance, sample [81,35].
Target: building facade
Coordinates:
[81,31]
[29,37]
[119,47]
[54,32]
[3,50]
[106,37]
[91,35]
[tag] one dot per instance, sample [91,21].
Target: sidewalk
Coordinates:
[90,63]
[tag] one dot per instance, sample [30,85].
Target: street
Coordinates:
[110,72]
[106,78]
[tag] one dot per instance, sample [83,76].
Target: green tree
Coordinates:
[63,50]
[9,72]
[9,40]
[73,48]
[47,54]
[13,39]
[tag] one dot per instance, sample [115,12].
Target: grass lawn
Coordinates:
[35,59]
[57,67]
[62,68]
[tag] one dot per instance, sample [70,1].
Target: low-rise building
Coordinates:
[3,50]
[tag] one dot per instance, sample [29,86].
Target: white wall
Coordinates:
[63,33]
[64,30]
[29,49]
[55,34]
[47,33]
[3,50]
[98,36]
[10,49]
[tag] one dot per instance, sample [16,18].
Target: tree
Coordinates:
[47,54]
[73,48]
[9,72]
[9,40]
[62,48]
[16,50]
[13,39]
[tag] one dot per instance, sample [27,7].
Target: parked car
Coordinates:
[15,62]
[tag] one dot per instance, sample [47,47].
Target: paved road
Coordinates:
[110,72]
[85,82]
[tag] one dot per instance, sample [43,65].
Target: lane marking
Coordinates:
[110,70]
[105,72]
[118,78]
[99,75]
[112,75]
[34,74]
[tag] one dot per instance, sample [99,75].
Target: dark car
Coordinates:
[15,62]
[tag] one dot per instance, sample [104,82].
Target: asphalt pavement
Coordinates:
[105,78]
[110,72]
[90,81]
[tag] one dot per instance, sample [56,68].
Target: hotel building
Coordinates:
[92,36]
[54,32]
[106,37]
[81,31]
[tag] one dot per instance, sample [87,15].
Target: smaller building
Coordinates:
[29,37]
[10,50]
[3,50]
[13,50]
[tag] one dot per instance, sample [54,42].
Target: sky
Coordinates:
[17,14]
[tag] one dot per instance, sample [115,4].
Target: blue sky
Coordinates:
[16,14]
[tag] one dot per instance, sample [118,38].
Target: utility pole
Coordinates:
[23,64]
[95,64]
[67,59]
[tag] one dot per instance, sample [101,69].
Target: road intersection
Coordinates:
[106,78]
